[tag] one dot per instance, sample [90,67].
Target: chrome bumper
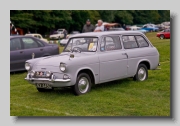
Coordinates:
[47,79]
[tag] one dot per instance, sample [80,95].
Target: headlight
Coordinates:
[27,66]
[62,66]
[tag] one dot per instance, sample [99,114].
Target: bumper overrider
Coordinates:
[53,81]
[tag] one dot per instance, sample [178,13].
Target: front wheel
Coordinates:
[142,73]
[83,84]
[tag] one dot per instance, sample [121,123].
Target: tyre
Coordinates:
[83,84]
[161,36]
[44,90]
[142,73]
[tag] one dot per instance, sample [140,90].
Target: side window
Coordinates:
[141,41]
[110,43]
[40,43]
[39,37]
[29,43]
[15,44]
[129,42]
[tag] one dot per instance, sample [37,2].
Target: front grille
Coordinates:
[41,74]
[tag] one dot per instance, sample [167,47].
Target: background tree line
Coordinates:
[43,21]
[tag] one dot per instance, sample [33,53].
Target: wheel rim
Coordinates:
[83,85]
[142,74]
[161,37]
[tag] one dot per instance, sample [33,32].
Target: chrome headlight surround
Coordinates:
[62,67]
[27,66]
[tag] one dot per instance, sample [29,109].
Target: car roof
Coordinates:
[98,34]
[15,36]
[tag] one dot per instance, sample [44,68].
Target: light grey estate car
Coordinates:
[94,58]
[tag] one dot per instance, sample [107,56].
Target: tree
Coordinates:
[123,17]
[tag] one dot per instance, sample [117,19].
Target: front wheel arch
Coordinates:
[89,72]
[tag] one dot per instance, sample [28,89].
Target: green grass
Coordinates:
[118,98]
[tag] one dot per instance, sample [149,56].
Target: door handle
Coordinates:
[41,49]
[21,51]
[125,54]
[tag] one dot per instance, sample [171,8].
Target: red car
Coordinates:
[165,34]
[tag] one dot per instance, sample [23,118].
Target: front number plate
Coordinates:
[47,86]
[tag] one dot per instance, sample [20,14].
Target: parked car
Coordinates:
[165,34]
[134,27]
[57,35]
[140,30]
[23,48]
[63,42]
[94,58]
[150,28]
[116,29]
[39,36]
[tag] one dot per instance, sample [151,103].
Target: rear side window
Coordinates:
[129,42]
[141,41]
[40,43]
[15,44]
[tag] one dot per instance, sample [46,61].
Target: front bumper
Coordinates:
[53,81]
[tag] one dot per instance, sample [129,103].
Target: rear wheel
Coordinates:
[83,84]
[142,73]
[161,37]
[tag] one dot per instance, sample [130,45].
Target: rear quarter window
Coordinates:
[141,41]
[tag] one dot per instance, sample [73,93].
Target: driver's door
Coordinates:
[113,59]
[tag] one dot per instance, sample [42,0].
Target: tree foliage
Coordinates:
[43,21]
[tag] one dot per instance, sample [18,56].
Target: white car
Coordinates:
[134,27]
[63,42]
[57,35]
[37,36]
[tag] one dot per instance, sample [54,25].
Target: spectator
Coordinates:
[65,33]
[124,26]
[88,27]
[99,27]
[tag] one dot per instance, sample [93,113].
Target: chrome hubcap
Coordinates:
[83,85]
[142,74]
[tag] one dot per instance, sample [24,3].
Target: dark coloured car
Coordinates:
[23,48]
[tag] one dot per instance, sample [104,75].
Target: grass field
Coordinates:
[118,98]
